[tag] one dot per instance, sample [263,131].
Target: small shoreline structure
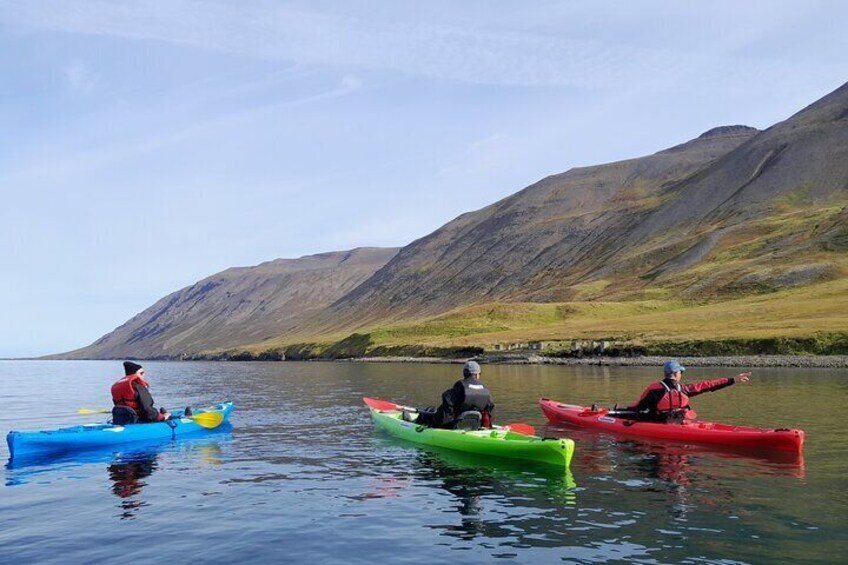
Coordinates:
[805,361]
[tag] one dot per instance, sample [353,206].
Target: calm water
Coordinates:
[300,476]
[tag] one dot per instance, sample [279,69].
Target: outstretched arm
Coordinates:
[714,384]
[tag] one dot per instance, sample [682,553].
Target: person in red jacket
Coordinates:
[668,400]
[132,400]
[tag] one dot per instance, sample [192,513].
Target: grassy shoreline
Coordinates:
[656,358]
[761,361]
[809,321]
[355,346]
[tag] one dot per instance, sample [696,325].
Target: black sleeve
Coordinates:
[452,398]
[648,401]
[148,412]
[491,407]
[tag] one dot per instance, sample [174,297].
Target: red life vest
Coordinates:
[123,393]
[674,398]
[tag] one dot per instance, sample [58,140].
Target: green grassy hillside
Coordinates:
[733,242]
[810,320]
[774,285]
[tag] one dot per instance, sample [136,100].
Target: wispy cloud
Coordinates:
[461,54]
[169,134]
[81,78]
[489,155]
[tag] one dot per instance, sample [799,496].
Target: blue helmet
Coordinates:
[672,367]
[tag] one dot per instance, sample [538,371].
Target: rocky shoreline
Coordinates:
[811,361]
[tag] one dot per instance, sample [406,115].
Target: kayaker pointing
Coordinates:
[460,402]
[668,400]
[132,399]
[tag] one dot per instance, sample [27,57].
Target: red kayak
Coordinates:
[692,431]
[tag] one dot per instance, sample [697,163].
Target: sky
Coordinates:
[147,145]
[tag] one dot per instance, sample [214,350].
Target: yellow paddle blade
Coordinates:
[208,420]
[94,410]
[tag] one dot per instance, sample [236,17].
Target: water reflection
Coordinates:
[479,487]
[691,478]
[676,462]
[128,471]
[305,459]
[127,474]
[493,498]
[126,467]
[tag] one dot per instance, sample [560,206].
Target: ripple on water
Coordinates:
[302,476]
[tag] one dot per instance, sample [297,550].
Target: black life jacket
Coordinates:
[477,396]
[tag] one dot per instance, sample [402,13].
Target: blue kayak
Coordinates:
[104,435]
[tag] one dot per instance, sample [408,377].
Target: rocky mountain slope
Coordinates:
[538,243]
[239,305]
[732,213]
[626,225]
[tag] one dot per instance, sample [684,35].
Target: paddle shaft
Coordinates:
[208,420]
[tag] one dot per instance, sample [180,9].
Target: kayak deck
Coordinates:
[688,431]
[25,443]
[495,442]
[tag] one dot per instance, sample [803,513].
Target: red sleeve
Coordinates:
[707,386]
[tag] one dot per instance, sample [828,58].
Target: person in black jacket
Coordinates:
[465,395]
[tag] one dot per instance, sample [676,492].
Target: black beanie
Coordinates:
[130,368]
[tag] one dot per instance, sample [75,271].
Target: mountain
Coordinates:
[624,224]
[535,244]
[238,306]
[733,213]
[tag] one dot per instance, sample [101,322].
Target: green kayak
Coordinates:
[495,442]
